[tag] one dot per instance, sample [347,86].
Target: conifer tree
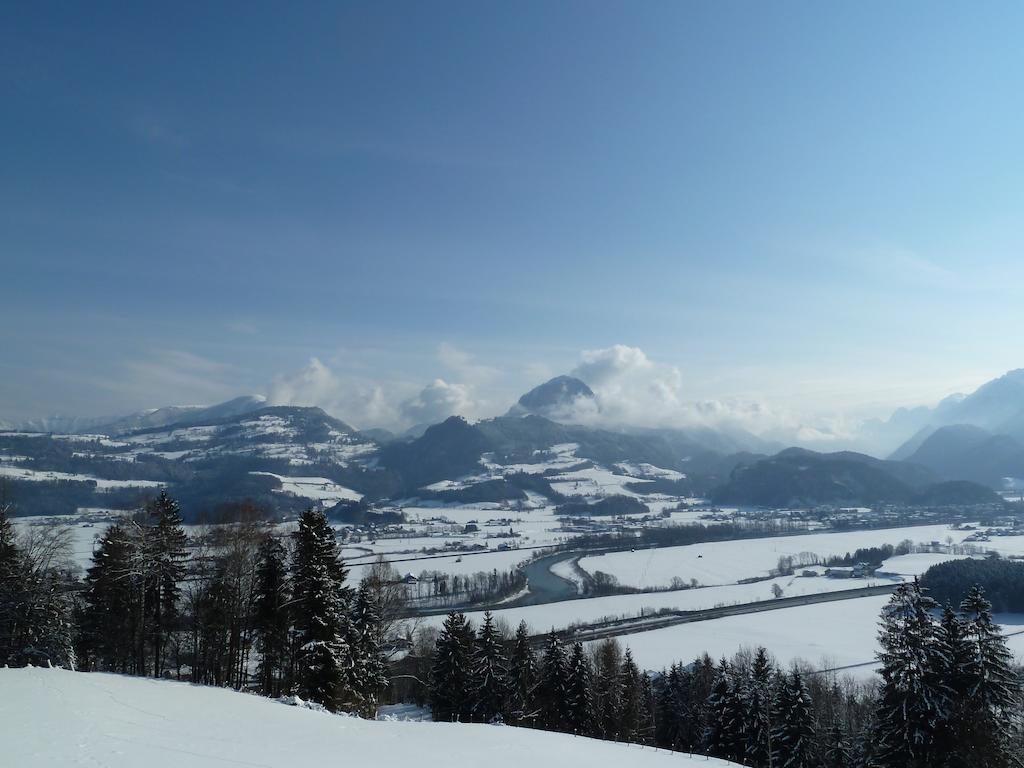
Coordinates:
[523,677]
[12,595]
[272,617]
[735,716]
[994,689]
[793,736]
[369,668]
[716,737]
[579,713]
[552,686]
[320,599]
[759,711]
[164,561]
[913,699]
[451,676]
[490,673]
[110,618]
[608,690]
[633,710]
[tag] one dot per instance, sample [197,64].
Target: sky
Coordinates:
[792,212]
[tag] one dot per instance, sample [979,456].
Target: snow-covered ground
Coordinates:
[52,718]
[726,562]
[541,618]
[46,476]
[827,635]
[316,488]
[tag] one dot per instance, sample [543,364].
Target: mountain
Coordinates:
[798,477]
[560,399]
[997,407]
[967,452]
[148,419]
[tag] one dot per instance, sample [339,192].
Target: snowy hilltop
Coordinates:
[129,722]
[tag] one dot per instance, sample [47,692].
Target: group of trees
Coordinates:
[235,606]
[949,696]
[35,606]
[436,588]
[483,676]
[1002,580]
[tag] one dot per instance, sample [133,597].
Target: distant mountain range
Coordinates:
[290,456]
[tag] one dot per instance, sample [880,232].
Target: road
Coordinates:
[620,627]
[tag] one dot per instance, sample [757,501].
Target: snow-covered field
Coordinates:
[726,562]
[827,635]
[46,476]
[541,618]
[316,488]
[51,718]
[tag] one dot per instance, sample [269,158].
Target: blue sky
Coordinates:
[812,206]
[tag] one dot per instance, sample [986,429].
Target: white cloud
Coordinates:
[362,403]
[437,401]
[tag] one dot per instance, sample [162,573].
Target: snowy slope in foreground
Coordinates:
[51,717]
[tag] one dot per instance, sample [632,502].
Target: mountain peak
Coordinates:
[555,399]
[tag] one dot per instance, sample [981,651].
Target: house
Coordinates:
[409,578]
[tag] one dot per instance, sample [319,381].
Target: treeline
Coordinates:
[483,676]
[1002,580]
[437,588]
[949,697]
[237,606]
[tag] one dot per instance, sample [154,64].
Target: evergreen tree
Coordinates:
[793,736]
[735,716]
[579,712]
[370,670]
[272,618]
[994,688]
[836,752]
[552,686]
[913,699]
[608,691]
[759,711]
[320,600]
[164,559]
[451,676]
[12,593]
[523,677]
[716,736]
[490,673]
[633,711]
[110,618]
[956,736]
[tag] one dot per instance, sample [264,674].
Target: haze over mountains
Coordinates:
[958,452]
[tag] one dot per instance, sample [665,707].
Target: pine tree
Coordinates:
[490,673]
[716,736]
[608,692]
[633,710]
[994,688]
[579,712]
[913,698]
[523,677]
[793,736]
[110,623]
[272,619]
[836,752]
[320,600]
[759,711]
[451,676]
[735,716]
[165,556]
[12,595]
[369,667]
[552,686]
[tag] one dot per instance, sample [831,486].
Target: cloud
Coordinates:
[364,404]
[437,401]
[631,389]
